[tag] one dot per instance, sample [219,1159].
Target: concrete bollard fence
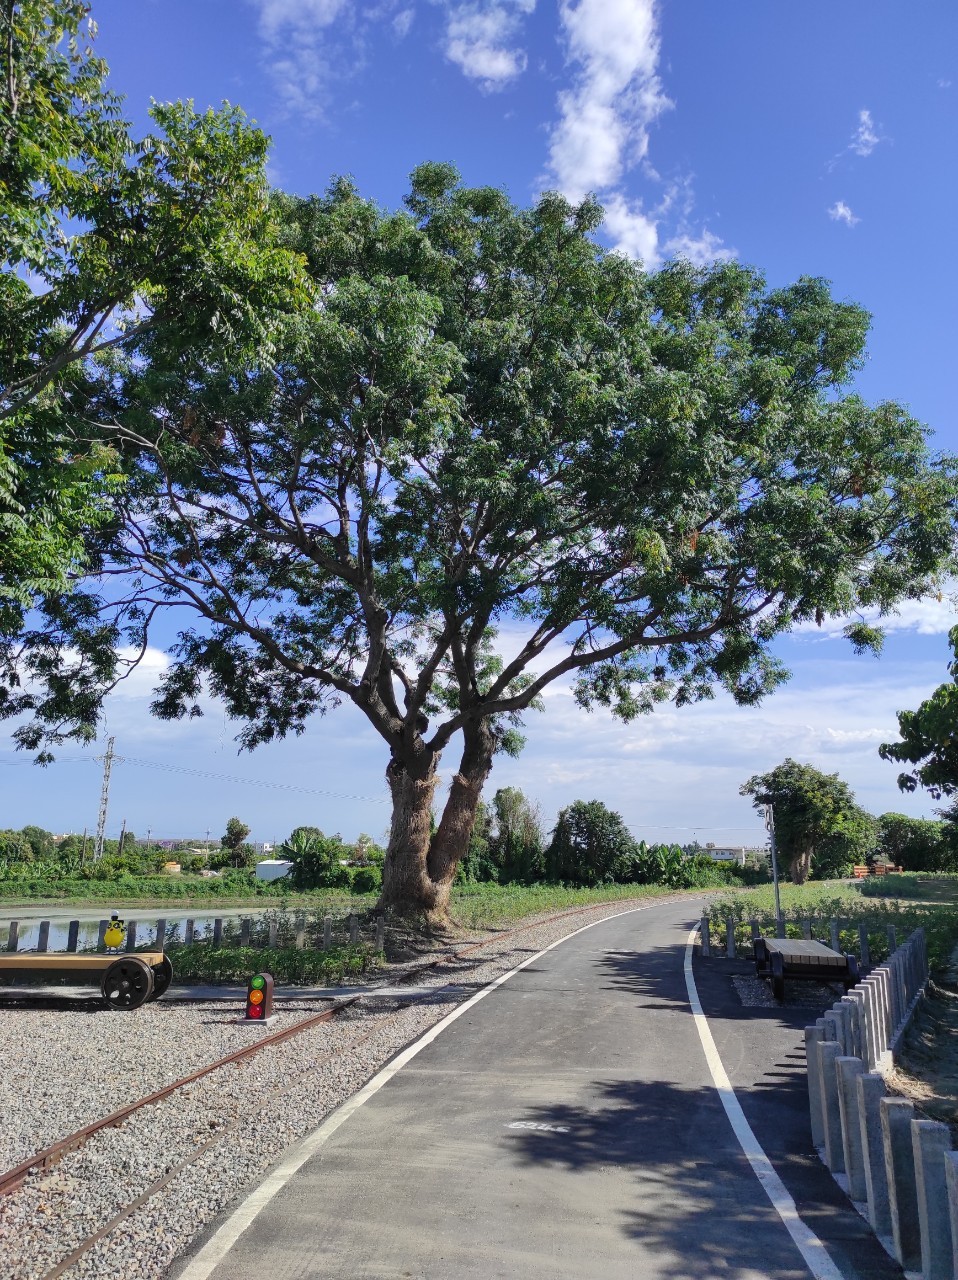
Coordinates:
[901,1167]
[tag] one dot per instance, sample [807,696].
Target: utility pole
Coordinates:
[104,799]
[83,854]
[119,852]
[770,824]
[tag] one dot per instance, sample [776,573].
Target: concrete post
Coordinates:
[951,1182]
[849,1069]
[813,1037]
[160,943]
[871,1020]
[871,1089]
[704,930]
[930,1140]
[245,926]
[101,934]
[13,936]
[327,932]
[884,1008]
[300,934]
[43,936]
[828,1054]
[188,931]
[896,1115]
[354,929]
[865,954]
[856,998]
[892,941]
[807,929]
[729,938]
[834,1020]
[780,928]
[756,932]
[833,934]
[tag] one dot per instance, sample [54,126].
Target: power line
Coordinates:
[217,777]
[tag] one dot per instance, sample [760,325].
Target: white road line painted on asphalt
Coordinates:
[807,1242]
[219,1244]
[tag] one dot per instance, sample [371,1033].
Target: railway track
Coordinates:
[43,1160]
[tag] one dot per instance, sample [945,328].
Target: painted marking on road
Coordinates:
[218,1246]
[816,1256]
[541,1128]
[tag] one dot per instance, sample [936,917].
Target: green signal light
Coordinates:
[258,982]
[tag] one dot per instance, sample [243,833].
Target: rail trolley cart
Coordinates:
[125,981]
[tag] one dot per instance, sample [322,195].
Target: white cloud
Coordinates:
[944,84]
[633,231]
[480,40]
[699,249]
[865,139]
[840,212]
[295,46]
[604,118]
[402,22]
[926,617]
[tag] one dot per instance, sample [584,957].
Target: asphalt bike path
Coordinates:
[566,1126]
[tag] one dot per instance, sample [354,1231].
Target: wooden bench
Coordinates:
[781,958]
[861,872]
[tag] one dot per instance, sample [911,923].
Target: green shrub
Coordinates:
[367,880]
[200,962]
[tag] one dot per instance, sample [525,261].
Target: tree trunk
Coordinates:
[406,884]
[801,865]
[420,868]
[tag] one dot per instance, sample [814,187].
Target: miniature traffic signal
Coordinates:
[259,998]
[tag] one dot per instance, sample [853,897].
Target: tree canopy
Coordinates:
[145,248]
[929,737]
[487,422]
[818,823]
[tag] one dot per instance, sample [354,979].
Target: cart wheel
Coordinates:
[127,983]
[162,977]
[778,976]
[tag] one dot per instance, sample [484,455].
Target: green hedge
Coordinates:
[200,962]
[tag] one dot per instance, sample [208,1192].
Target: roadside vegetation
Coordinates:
[851,905]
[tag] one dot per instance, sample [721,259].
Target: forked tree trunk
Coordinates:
[420,867]
[801,865]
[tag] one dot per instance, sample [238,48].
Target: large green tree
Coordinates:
[591,845]
[154,247]
[818,823]
[489,421]
[928,737]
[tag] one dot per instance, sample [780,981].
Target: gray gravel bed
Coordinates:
[71,1067]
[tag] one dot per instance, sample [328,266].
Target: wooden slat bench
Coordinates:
[781,958]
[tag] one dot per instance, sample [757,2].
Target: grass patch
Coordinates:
[183,893]
[485,906]
[827,900]
[928,886]
[200,962]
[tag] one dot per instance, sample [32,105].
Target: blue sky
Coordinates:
[805,139]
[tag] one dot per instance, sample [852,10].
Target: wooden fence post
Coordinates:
[101,935]
[217,932]
[13,937]
[131,936]
[188,931]
[73,935]
[43,939]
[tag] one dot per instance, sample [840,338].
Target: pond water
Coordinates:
[29,930]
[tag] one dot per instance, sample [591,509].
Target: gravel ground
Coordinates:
[73,1067]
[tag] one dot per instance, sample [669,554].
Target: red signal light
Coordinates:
[259,998]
